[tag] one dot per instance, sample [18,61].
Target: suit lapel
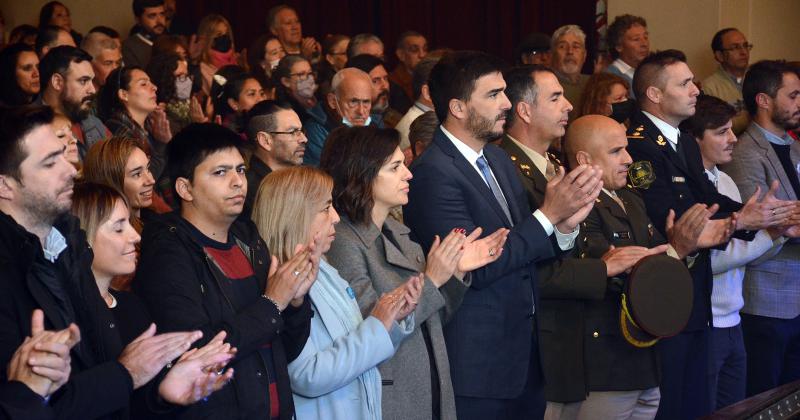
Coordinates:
[493,155]
[761,141]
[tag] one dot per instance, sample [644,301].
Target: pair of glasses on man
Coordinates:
[739,47]
[295,134]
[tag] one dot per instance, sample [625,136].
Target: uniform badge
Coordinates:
[650,229]
[622,235]
[641,174]
[678,179]
[661,141]
[525,168]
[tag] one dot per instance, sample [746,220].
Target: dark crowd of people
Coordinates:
[291,230]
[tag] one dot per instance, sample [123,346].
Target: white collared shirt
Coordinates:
[565,240]
[786,140]
[670,132]
[539,161]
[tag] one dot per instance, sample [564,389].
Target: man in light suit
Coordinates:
[765,153]
[461,182]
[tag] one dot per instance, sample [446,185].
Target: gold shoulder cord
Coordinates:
[624,326]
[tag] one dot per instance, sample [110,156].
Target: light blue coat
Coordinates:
[335,377]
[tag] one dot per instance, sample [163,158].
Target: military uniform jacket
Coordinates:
[565,283]
[680,182]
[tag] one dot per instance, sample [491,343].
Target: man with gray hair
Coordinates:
[348,103]
[106,55]
[365,44]
[567,55]
[283,22]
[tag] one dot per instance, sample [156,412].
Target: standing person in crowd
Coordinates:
[106,56]
[66,78]
[765,156]
[376,254]
[150,23]
[19,75]
[295,82]
[533,49]
[422,94]
[203,267]
[263,57]
[606,94]
[283,22]
[462,182]
[128,104]
[217,48]
[276,134]
[49,37]
[568,53]
[666,96]
[336,375]
[732,52]
[629,44]
[711,126]
[334,57]
[54,13]
[412,47]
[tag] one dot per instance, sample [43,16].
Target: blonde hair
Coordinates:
[206,30]
[286,204]
[92,204]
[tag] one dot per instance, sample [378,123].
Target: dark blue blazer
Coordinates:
[491,339]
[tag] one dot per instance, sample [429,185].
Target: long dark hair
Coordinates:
[353,156]
[161,70]
[108,102]
[10,92]
[46,13]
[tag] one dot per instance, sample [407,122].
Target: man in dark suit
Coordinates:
[666,96]
[461,182]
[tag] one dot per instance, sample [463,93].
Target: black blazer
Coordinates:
[491,338]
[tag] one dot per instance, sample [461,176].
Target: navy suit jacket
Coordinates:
[491,339]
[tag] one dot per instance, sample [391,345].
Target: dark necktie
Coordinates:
[680,149]
[483,165]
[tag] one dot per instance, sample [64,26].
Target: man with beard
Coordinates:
[151,21]
[765,153]
[628,44]
[277,134]
[568,53]
[382,115]
[67,87]
[732,52]
[461,181]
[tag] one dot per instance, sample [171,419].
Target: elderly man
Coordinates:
[283,22]
[151,21]
[349,103]
[106,56]
[277,134]
[732,52]
[382,113]
[568,53]
[628,44]
[412,47]
[365,44]
[534,49]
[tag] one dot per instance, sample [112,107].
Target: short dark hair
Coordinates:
[234,82]
[454,77]
[58,60]
[364,62]
[521,87]
[139,6]
[616,31]
[11,93]
[422,130]
[46,36]
[765,76]
[192,145]
[20,32]
[15,124]
[105,30]
[272,14]
[261,117]
[711,113]
[46,12]
[420,75]
[716,41]
[353,156]
[401,39]
[650,71]
[108,102]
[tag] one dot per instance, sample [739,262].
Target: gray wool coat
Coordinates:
[374,265]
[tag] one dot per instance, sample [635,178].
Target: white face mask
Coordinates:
[183,88]
[347,122]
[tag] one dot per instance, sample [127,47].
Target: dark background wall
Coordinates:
[492,26]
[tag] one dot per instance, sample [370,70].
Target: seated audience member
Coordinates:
[334,57]
[106,56]
[66,74]
[711,126]
[567,55]
[109,32]
[349,103]
[533,49]
[420,135]
[283,22]
[381,113]
[376,255]
[19,75]
[128,105]
[336,374]
[263,57]
[235,97]
[423,99]
[150,23]
[412,47]
[295,83]
[765,155]
[63,129]
[629,44]
[24,34]
[606,94]
[54,13]
[170,73]
[215,36]
[176,24]
[276,134]
[30,385]
[50,37]
[170,44]
[732,52]
[241,291]
[41,242]
[365,44]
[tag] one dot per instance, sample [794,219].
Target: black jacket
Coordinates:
[95,371]
[185,290]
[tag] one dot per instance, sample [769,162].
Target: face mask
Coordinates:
[183,88]
[347,122]
[221,43]
[306,88]
[221,59]
[621,111]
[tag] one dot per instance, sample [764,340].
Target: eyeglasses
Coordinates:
[739,47]
[296,133]
[303,76]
